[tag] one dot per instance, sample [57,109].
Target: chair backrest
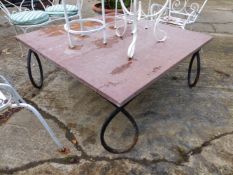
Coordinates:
[4,5]
[9,7]
[187,6]
[180,5]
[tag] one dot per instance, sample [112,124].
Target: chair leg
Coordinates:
[43,122]
[104,37]
[19,102]
[71,45]
[3,79]
[19,44]
[116,13]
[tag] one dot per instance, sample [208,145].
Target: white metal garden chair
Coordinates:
[182,12]
[9,98]
[26,18]
[22,17]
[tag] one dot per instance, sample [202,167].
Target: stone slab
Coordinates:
[106,68]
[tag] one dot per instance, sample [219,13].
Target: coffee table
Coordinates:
[106,68]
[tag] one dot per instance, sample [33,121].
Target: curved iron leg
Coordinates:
[108,121]
[197,56]
[29,59]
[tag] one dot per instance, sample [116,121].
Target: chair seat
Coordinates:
[29,17]
[58,10]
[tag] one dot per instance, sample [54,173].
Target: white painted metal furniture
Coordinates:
[24,18]
[29,18]
[9,98]
[82,30]
[135,15]
[182,12]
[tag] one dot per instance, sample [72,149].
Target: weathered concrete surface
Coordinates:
[25,141]
[182,130]
[89,167]
[216,18]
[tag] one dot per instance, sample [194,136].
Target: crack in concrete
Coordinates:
[67,160]
[213,27]
[199,149]
[70,137]
[75,159]
[68,133]
[184,156]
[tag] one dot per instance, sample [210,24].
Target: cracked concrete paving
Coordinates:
[182,130]
[24,129]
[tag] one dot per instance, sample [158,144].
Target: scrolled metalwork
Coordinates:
[182,12]
[184,6]
[135,15]
[178,5]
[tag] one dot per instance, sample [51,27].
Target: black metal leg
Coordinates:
[197,56]
[108,121]
[29,67]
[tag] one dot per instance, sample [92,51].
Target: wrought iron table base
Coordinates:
[197,56]
[108,121]
[118,109]
[29,67]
